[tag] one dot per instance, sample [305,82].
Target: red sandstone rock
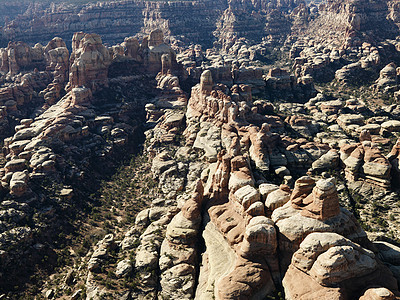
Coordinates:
[325,201]
[329,264]
[302,188]
[192,208]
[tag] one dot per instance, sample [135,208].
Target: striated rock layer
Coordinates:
[192,21]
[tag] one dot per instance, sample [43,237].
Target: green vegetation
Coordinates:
[277,295]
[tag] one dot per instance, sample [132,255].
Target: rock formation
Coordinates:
[145,17]
[187,161]
[365,162]
[312,208]
[58,64]
[177,261]
[89,62]
[325,264]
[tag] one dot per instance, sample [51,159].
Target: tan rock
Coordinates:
[265,189]
[328,161]
[378,294]
[90,60]
[240,174]
[256,209]
[217,184]
[325,201]
[206,81]
[259,237]
[218,261]
[293,227]
[247,196]
[328,263]
[364,161]
[330,258]
[391,126]
[277,199]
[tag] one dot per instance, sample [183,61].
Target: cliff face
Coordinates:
[348,22]
[194,21]
[11,9]
[115,20]
[112,20]
[8,12]
[254,20]
[394,12]
[190,21]
[202,21]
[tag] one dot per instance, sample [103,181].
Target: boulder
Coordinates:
[123,268]
[277,198]
[247,196]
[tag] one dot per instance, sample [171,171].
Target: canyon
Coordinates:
[200,150]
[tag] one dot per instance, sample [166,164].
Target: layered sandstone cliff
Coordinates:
[186,21]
